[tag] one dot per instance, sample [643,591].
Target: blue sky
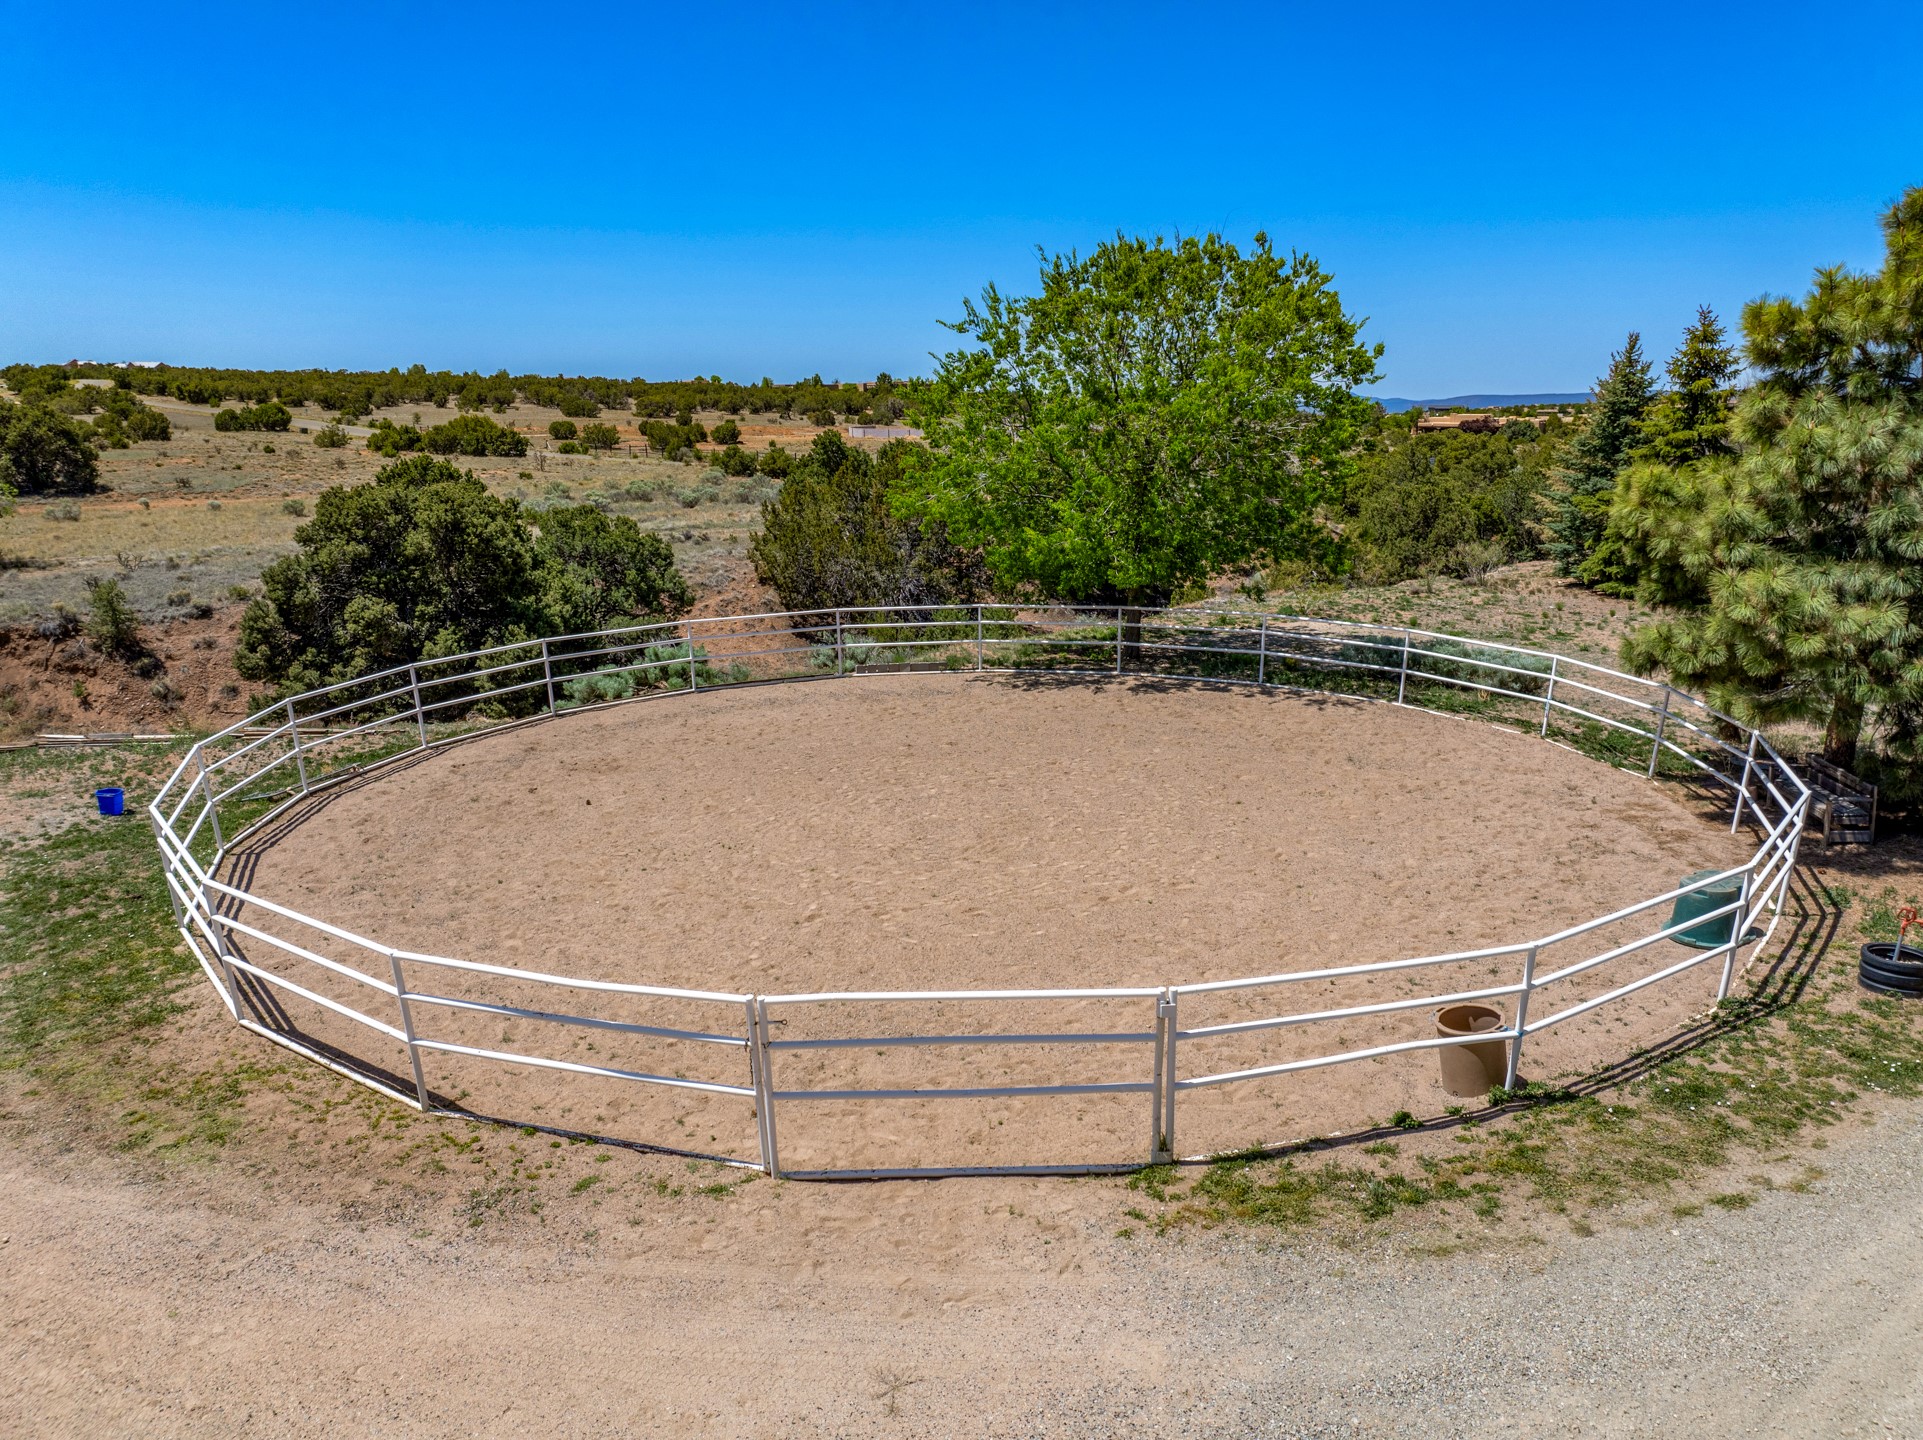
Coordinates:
[773,190]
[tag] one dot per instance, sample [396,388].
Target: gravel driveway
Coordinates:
[161,1310]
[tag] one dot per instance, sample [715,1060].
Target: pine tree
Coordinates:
[1687,424]
[1690,421]
[1808,544]
[1585,481]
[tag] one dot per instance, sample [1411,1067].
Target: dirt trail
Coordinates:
[166,1310]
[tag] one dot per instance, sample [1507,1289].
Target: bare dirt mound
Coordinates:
[51,678]
[925,833]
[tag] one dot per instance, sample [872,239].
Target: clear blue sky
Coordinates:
[748,190]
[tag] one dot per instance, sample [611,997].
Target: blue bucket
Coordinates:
[112,800]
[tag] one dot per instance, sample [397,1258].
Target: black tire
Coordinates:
[1883,955]
[1875,977]
[1885,976]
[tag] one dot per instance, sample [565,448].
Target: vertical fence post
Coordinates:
[1662,724]
[751,1030]
[1549,694]
[1166,1023]
[300,756]
[1738,923]
[167,870]
[1791,843]
[1118,639]
[407,1029]
[1262,654]
[687,628]
[978,637]
[207,794]
[420,715]
[224,955]
[1742,790]
[547,673]
[840,652]
[1522,1016]
[1402,682]
[1160,1101]
[764,1074]
[216,933]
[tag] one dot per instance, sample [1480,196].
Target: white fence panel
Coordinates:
[784,1056]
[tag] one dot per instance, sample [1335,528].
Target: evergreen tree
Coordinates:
[43,452]
[1657,544]
[1450,501]
[425,561]
[1690,421]
[1586,479]
[832,537]
[1687,424]
[1808,545]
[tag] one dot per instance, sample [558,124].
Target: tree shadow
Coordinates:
[1034,681]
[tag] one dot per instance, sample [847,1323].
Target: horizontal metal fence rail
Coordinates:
[270,762]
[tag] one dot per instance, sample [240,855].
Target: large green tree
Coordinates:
[1586,479]
[596,570]
[1155,414]
[1690,419]
[1807,547]
[123,420]
[473,435]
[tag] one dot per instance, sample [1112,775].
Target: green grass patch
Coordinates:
[89,951]
[91,967]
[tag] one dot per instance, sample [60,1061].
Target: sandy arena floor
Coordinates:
[929,832]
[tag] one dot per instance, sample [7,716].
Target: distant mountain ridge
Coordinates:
[1393,403]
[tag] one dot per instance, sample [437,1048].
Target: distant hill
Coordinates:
[1393,403]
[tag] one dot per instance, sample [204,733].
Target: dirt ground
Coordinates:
[965,1308]
[933,833]
[235,1242]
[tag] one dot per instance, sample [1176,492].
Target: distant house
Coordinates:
[1481,422]
[883,432]
[1476,422]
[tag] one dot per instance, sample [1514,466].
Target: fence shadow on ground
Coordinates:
[1150,683]
[1812,922]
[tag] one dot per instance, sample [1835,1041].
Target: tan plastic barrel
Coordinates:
[1476,1068]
